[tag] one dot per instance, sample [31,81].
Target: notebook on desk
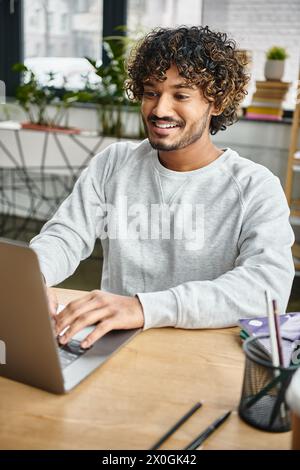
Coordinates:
[33,355]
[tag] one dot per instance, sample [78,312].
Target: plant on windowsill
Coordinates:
[274,66]
[35,99]
[115,110]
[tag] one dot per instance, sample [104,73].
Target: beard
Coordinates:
[195,133]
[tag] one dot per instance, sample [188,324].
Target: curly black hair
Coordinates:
[207,59]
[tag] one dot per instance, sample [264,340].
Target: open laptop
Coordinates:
[32,352]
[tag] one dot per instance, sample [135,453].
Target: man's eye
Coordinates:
[182,97]
[150,94]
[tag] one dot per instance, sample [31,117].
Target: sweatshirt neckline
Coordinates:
[184,174]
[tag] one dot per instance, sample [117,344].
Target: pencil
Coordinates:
[176,426]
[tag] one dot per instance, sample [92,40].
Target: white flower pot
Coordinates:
[274,69]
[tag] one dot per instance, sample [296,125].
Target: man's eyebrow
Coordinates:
[189,86]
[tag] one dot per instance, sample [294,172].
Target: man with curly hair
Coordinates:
[192,235]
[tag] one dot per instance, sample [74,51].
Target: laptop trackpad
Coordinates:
[81,335]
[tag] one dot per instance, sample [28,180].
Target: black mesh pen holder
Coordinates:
[262,402]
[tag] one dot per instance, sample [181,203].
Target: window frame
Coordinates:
[11,36]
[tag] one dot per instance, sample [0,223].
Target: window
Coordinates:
[33,21]
[65,32]
[64,22]
[49,18]
[144,15]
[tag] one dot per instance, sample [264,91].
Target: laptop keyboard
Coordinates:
[70,352]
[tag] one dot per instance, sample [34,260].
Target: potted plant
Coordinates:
[35,99]
[115,110]
[274,66]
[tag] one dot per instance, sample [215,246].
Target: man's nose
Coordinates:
[163,107]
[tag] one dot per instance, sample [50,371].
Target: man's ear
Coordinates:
[216,111]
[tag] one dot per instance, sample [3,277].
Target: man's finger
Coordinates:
[72,311]
[84,320]
[101,329]
[95,295]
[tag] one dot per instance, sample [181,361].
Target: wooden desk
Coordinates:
[137,395]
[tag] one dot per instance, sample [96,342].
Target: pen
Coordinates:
[277,329]
[208,431]
[176,426]
[272,331]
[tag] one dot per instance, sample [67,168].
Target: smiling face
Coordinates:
[175,114]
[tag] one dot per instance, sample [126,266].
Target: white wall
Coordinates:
[263,142]
[257,25]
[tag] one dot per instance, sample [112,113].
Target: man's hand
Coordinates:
[108,311]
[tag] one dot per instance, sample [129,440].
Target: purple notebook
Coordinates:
[289,331]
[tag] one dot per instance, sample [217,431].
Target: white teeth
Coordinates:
[165,126]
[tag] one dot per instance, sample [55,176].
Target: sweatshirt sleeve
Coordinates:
[70,235]
[264,263]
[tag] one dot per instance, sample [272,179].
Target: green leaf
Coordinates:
[277,53]
[19,67]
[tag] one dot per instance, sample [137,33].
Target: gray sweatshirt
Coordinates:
[199,248]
